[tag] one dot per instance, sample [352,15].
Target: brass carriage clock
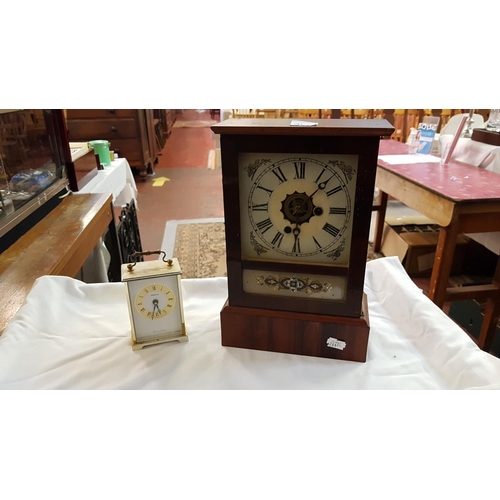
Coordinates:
[154,298]
[297,205]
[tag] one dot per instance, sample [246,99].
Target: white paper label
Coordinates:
[299,123]
[409,159]
[335,343]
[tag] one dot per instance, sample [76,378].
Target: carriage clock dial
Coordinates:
[154,301]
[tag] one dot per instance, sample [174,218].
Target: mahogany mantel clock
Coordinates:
[297,205]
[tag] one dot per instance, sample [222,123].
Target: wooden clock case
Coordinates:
[299,325]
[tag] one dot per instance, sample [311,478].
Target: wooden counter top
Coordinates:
[58,245]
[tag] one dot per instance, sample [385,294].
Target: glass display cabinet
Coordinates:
[34,155]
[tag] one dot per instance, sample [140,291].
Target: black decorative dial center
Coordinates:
[299,208]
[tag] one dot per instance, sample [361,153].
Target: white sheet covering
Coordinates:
[117,179]
[72,335]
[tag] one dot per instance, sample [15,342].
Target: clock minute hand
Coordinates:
[321,186]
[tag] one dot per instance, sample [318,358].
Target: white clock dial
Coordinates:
[297,207]
[154,301]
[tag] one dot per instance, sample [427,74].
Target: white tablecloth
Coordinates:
[117,180]
[74,335]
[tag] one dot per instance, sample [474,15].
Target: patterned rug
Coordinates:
[199,245]
[193,123]
[201,248]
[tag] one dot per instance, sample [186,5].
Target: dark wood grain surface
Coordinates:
[281,126]
[294,333]
[58,245]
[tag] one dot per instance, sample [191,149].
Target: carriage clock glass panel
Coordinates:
[155,307]
[297,208]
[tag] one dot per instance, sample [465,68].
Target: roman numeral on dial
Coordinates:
[333,191]
[264,225]
[300,170]
[268,191]
[331,229]
[279,174]
[337,210]
[277,239]
[260,207]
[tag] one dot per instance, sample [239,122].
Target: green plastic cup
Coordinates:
[101,148]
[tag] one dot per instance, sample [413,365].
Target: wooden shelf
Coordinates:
[58,245]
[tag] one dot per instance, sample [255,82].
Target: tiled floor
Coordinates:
[192,191]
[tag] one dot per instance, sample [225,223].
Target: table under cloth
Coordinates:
[74,335]
[117,180]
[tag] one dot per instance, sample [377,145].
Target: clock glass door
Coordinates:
[297,207]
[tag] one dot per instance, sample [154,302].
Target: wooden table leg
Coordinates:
[115,252]
[379,228]
[491,315]
[443,262]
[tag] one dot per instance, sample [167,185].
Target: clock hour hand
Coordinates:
[155,306]
[296,243]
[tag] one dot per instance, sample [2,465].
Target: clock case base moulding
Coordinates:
[333,337]
[181,337]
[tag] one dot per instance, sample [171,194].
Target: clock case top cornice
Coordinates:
[325,127]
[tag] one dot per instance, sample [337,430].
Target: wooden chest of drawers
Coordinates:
[129,131]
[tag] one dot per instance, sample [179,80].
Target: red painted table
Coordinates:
[461,199]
